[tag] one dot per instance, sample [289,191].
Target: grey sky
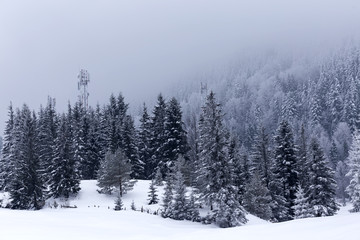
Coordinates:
[138,46]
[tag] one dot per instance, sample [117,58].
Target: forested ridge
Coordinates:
[269,137]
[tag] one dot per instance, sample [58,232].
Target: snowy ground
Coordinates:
[94,219]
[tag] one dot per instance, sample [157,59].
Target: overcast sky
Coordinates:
[138,47]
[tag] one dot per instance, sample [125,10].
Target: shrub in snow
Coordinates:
[133,207]
[118,204]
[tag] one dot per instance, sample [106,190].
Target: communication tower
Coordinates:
[84,79]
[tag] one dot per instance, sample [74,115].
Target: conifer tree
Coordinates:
[118,203]
[213,150]
[64,178]
[79,131]
[144,144]
[285,180]
[158,135]
[167,198]
[193,211]
[215,176]
[334,155]
[342,181]
[178,210]
[153,197]
[239,172]
[301,207]
[354,173]
[26,189]
[47,130]
[114,173]
[130,148]
[257,198]
[94,146]
[175,135]
[261,155]
[302,165]
[321,189]
[7,160]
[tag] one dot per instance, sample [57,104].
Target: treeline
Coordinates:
[319,98]
[46,154]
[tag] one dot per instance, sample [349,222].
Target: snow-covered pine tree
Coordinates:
[321,189]
[130,148]
[354,173]
[26,189]
[152,196]
[144,144]
[334,155]
[64,179]
[178,210]
[6,160]
[158,135]
[114,173]
[261,156]
[113,123]
[175,135]
[215,176]
[285,180]
[302,158]
[94,147]
[301,207]
[350,108]
[239,174]
[47,130]
[229,212]
[213,150]
[167,198]
[79,132]
[257,198]
[193,209]
[342,181]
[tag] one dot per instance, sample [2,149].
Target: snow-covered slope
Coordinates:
[94,219]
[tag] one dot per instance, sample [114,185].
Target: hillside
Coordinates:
[94,219]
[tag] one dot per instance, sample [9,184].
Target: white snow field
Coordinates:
[94,218]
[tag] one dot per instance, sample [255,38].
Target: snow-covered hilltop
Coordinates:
[92,219]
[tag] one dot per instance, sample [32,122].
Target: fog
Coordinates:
[141,47]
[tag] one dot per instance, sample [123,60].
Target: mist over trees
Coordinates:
[274,137]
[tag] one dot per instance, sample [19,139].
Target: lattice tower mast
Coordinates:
[84,79]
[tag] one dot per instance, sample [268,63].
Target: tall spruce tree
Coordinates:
[27,188]
[354,173]
[6,160]
[215,176]
[158,135]
[47,131]
[261,156]
[342,181]
[285,179]
[321,189]
[65,175]
[175,135]
[130,147]
[144,144]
